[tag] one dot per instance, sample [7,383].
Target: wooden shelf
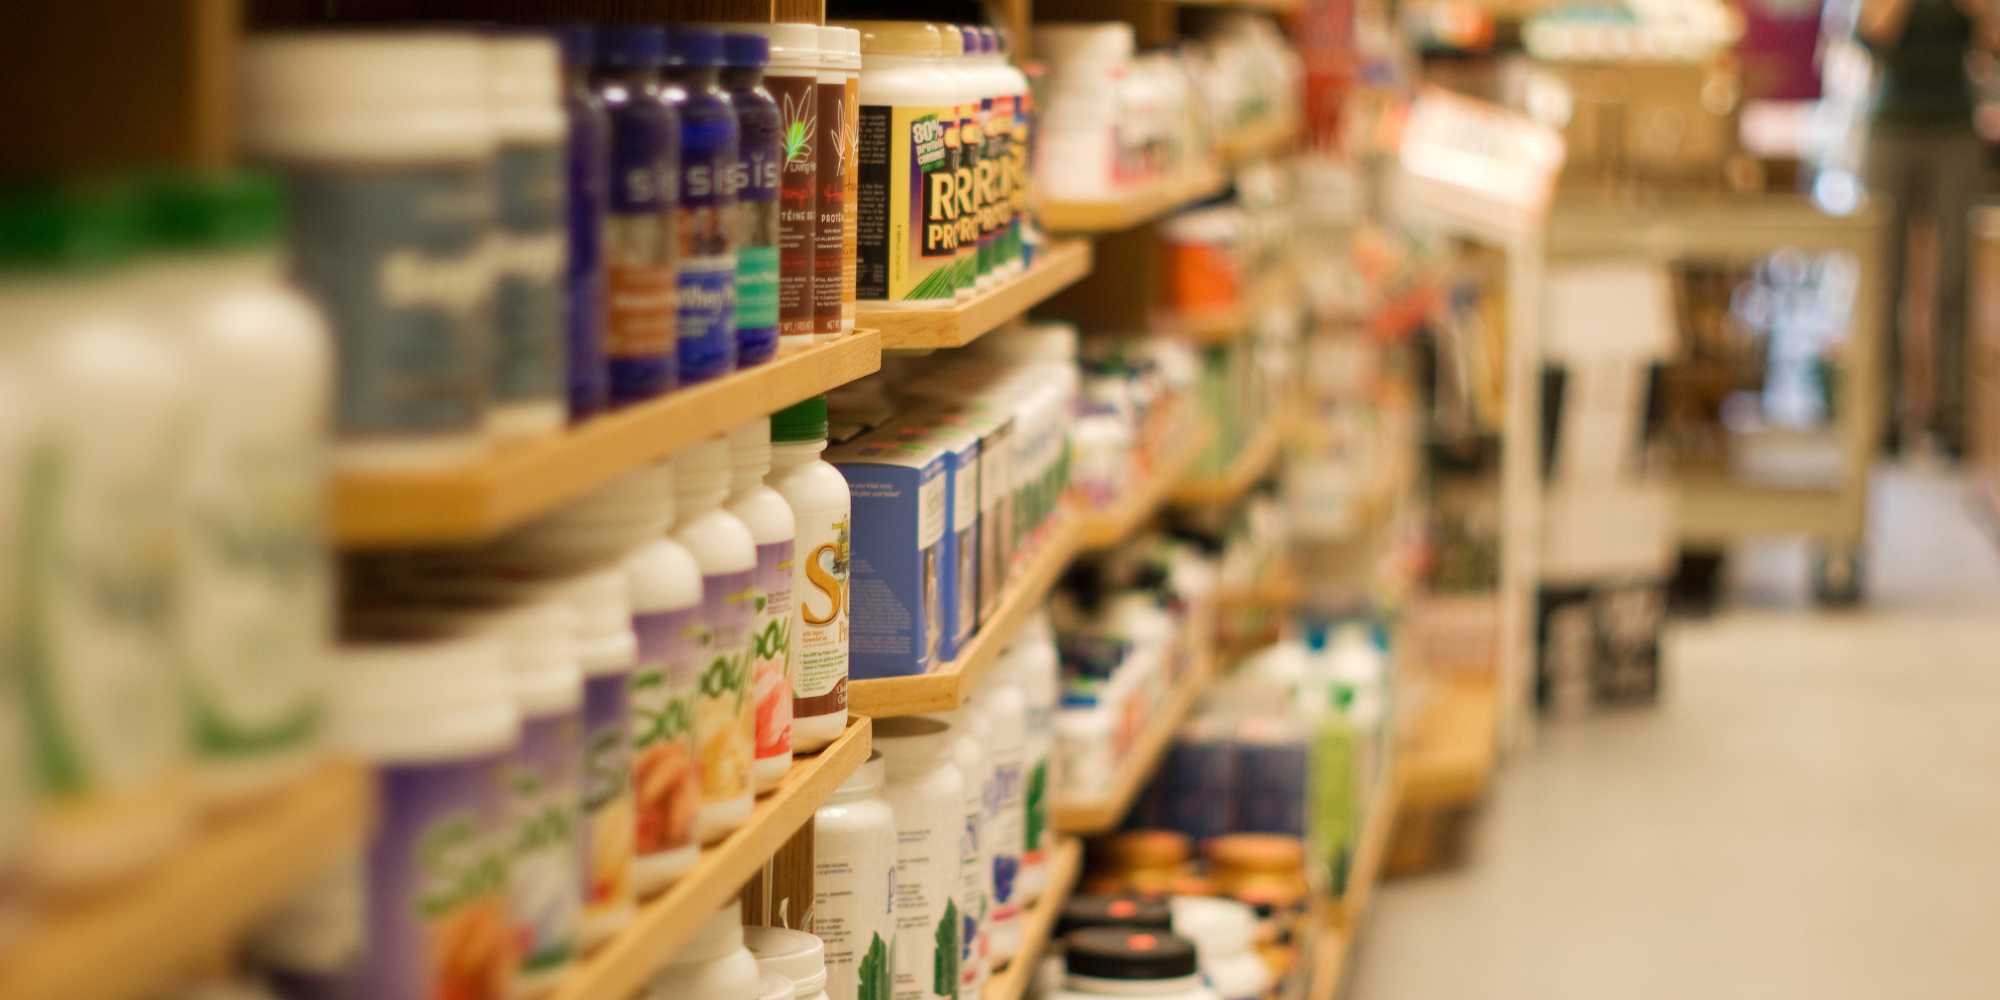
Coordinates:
[945,688]
[516,485]
[1103,529]
[1104,814]
[133,941]
[1250,467]
[1454,743]
[1277,589]
[1063,264]
[1274,6]
[1128,209]
[1038,924]
[670,919]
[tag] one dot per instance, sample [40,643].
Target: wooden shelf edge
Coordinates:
[1456,743]
[515,485]
[1064,263]
[946,688]
[1132,208]
[1104,529]
[196,904]
[1039,923]
[1250,467]
[1102,815]
[667,921]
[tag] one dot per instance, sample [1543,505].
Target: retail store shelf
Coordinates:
[1453,745]
[1339,923]
[192,908]
[1139,205]
[1278,589]
[1103,529]
[945,688]
[1261,140]
[1250,466]
[516,485]
[1103,814]
[1038,923]
[666,923]
[1274,285]
[1063,264]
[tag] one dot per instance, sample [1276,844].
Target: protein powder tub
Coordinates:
[705,264]
[797,956]
[792,77]
[760,161]
[712,965]
[584,207]
[1125,962]
[769,518]
[821,509]
[854,865]
[639,343]
[922,781]
[725,725]
[529,383]
[836,85]
[907,224]
[666,759]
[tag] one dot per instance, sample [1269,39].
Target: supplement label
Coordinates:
[965,478]
[1005,800]
[587,197]
[973,909]
[995,180]
[544,780]
[437,883]
[820,593]
[759,175]
[705,273]
[1018,173]
[771,650]
[607,793]
[850,206]
[853,882]
[907,226]
[528,360]
[833,154]
[971,197]
[725,725]
[639,266]
[396,259]
[666,777]
[798,200]
[927,947]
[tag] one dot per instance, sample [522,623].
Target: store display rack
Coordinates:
[1062,264]
[1454,744]
[1339,922]
[192,908]
[1272,286]
[1102,814]
[1252,464]
[946,688]
[670,919]
[1038,924]
[515,485]
[1142,204]
[1111,526]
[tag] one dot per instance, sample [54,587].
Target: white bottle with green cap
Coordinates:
[821,510]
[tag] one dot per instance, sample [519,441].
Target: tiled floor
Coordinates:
[1812,812]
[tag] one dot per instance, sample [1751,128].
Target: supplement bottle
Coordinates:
[1035,669]
[725,725]
[1224,933]
[713,965]
[1006,713]
[252,632]
[961,52]
[639,269]
[993,117]
[922,778]
[387,148]
[1006,151]
[600,602]
[793,80]
[1125,962]
[834,150]
[973,735]
[666,757]
[796,956]
[437,718]
[107,736]
[821,509]
[529,382]
[906,240]
[585,198]
[771,986]
[705,261]
[848,57]
[769,518]
[760,162]
[854,866]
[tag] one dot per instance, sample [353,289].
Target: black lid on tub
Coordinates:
[1128,953]
[1084,912]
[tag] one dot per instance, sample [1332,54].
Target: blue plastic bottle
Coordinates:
[760,159]
[640,315]
[589,179]
[705,267]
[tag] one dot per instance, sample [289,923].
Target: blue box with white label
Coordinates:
[897,573]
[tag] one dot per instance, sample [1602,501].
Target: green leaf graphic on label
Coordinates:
[873,976]
[672,721]
[944,962]
[723,676]
[1037,806]
[457,867]
[771,643]
[796,137]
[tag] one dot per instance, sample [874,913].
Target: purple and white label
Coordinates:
[666,781]
[437,884]
[545,868]
[725,727]
[771,651]
[607,792]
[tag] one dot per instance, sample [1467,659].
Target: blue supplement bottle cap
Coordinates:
[631,45]
[743,51]
[696,47]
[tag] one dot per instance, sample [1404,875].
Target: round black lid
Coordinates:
[1129,953]
[1084,912]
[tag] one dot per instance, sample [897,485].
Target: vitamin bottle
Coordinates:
[854,863]
[833,150]
[798,957]
[972,737]
[1005,709]
[529,384]
[584,206]
[387,148]
[1006,154]
[961,51]
[907,229]
[251,629]
[821,510]
[666,756]
[769,518]
[600,602]
[1032,665]
[725,725]
[922,777]
[639,269]
[793,80]
[705,262]
[848,42]
[1224,933]
[545,790]
[712,965]
[760,161]
[1128,962]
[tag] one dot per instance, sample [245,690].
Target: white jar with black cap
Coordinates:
[1131,962]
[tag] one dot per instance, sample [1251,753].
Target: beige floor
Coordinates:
[1812,812]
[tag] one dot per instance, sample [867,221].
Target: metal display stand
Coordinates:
[1714,509]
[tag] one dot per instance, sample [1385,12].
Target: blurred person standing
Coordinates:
[1925,159]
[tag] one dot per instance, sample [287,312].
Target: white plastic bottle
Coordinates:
[908,120]
[954,68]
[1033,666]
[251,576]
[725,727]
[529,357]
[713,965]
[969,749]
[1005,709]
[797,956]
[544,780]
[922,778]
[769,518]
[854,873]
[821,509]
[666,758]
[1224,934]
[606,649]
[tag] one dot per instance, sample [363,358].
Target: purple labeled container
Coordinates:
[585,202]
[705,265]
[760,160]
[640,214]
[725,726]
[666,759]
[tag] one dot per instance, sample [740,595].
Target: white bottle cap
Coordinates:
[796,955]
[524,85]
[701,474]
[718,936]
[771,986]
[839,48]
[749,454]
[420,698]
[912,742]
[1100,42]
[373,96]
[600,602]
[793,46]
